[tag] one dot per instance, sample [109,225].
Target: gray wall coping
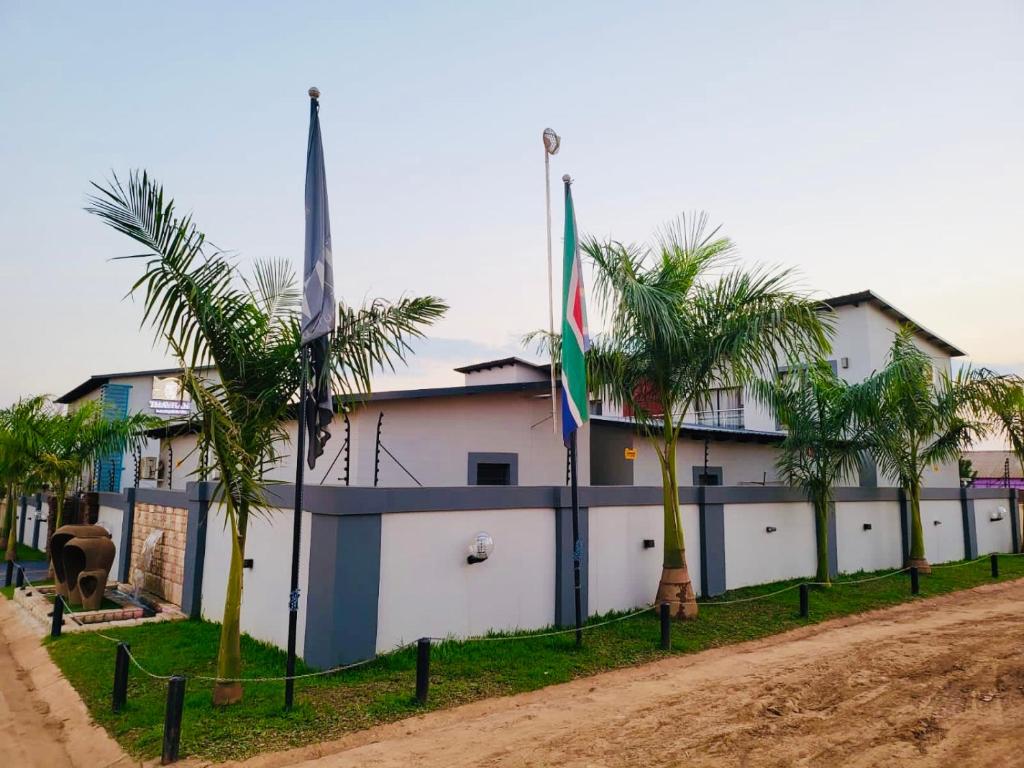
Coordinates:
[114,500]
[342,500]
[162,497]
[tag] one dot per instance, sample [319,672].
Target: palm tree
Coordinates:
[682,322]
[21,429]
[824,439]
[917,417]
[75,440]
[196,301]
[1002,401]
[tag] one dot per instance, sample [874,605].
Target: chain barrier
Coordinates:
[503,638]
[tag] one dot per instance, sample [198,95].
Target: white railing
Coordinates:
[721,417]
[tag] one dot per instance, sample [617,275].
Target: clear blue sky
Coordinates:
[871,145]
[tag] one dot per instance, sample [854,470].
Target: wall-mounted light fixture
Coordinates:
[771,529]
[648,543]
[936,522]
[867,526]
[480,548]
[998,515]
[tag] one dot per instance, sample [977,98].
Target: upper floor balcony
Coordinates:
[731,418]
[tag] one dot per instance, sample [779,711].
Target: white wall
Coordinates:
[428,589]
[30,520]
[267,584]
[945,542]
[873,550]
[112,519]
[433,436]
[741,463]
[622,574]
[754,556]
[993,535]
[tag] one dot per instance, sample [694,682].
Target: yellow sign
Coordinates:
[630,454]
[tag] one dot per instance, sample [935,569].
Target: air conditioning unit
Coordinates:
[148,468]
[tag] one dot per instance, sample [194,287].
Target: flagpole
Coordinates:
[300,469]
[577,553]
[300,456]
[551,144]
[577,549]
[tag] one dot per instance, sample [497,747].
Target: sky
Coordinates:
[867,145]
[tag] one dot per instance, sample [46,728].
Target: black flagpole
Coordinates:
[293,599]
[577,553]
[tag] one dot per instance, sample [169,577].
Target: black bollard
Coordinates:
[915,581]
[422,669]
[9,575]
[120,677]
[172,719]
[19,579]
[995,566]
[805,601]
[666,627]
[58,616]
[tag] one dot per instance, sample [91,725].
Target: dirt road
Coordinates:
[936,683]
[43,723]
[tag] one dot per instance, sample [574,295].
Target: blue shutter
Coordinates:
[114,398]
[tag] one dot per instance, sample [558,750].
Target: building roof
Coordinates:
[97,380]
[872,298]
[500,363]
[992,464]
[540,388]
[702,432]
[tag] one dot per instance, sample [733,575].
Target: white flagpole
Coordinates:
[551,144]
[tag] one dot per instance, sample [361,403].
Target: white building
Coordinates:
[497,427]
[156,392]
[732,435]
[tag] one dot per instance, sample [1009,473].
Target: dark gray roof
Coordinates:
[702,432]
[96,381]
[872,298]
[500,363]
[525,387]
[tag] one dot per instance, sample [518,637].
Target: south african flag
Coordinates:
[575,341]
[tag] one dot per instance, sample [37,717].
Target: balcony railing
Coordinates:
[722,417]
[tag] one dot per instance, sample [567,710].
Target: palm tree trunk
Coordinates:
[12,546]
[229,653]
[917,557]
[823,575]
[3,520]
[675,586]
[58,520]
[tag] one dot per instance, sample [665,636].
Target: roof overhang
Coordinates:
[872,298]
[700,432]
[98,380]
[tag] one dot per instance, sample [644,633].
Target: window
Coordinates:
[493,469]
[709,476]
[493,473]
[723,407]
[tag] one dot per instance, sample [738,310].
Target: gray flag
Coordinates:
[319,312]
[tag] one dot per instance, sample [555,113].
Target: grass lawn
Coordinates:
[8,592]
[27,553]
[382,691]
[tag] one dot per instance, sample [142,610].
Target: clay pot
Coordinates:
[59,541]
[92,556]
